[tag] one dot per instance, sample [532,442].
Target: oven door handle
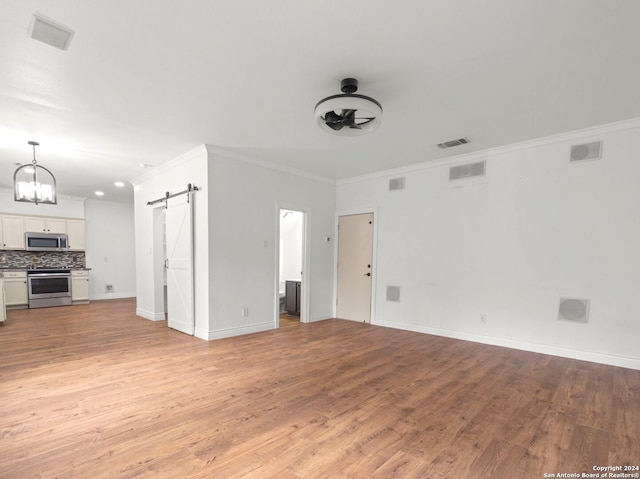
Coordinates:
[46,275]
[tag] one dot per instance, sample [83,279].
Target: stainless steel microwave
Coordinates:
[46,242]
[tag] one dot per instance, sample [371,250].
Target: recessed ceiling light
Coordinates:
[145,165]
[99,193]
[119,184]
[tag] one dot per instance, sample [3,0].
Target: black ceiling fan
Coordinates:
[348,118]
[348,114]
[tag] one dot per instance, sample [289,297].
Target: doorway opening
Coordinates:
[291,299]
[159,257]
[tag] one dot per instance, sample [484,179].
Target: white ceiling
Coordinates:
[147,80]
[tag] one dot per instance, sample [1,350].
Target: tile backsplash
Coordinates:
[42,259]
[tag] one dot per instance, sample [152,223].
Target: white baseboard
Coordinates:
[201,333]
[229,332]
[101,296]
[610,359]
[320,317]
[150,315]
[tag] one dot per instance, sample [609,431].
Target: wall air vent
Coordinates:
[573,309]
[452,143]
[396,184]
[467,171]
[393,294]
[587,151]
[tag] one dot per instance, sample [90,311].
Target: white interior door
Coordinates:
[355,253]
[179,264]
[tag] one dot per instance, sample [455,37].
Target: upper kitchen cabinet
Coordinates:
[38,224]
[11,232]
[75,232]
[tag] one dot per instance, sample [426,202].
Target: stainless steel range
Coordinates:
[49,287]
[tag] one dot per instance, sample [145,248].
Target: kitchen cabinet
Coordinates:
[40,224]
[11,232]
[13,228]
[15,289]
[3,312]
[80,286]
[75,232]
[292,297]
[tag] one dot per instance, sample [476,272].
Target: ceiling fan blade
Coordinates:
[332,116]
[348,117]
[337,126]
[368,120]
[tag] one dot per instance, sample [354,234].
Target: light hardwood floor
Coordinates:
[93,391]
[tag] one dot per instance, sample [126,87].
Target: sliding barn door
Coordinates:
[179,264]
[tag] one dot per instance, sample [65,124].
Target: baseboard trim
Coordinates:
[150,315]
[320,317]
[610,359]
[238,331]
[98,297]
[201,334]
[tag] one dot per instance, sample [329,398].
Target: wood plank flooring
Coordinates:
[93,391]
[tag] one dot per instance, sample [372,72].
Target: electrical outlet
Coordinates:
[483,318]
[245,312]
[108,288]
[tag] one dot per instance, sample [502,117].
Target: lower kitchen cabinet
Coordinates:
[79,286]
[15,289]
[3,314]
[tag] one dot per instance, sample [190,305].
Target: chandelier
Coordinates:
[33,183]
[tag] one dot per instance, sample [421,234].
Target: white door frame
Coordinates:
[374,257]
[305,283]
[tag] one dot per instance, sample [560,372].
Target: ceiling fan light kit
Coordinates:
[348,114]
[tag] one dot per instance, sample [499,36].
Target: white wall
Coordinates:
[174,176]
[110,249]
[67,207]
[244,207]
[236,213]
[510,244]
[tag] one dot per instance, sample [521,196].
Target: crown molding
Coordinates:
[575,135]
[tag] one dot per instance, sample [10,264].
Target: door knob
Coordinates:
[367,274]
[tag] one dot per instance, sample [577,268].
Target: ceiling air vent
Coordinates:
[396,184]
[587,151]
[467,171]
[452,143]
[50,32]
